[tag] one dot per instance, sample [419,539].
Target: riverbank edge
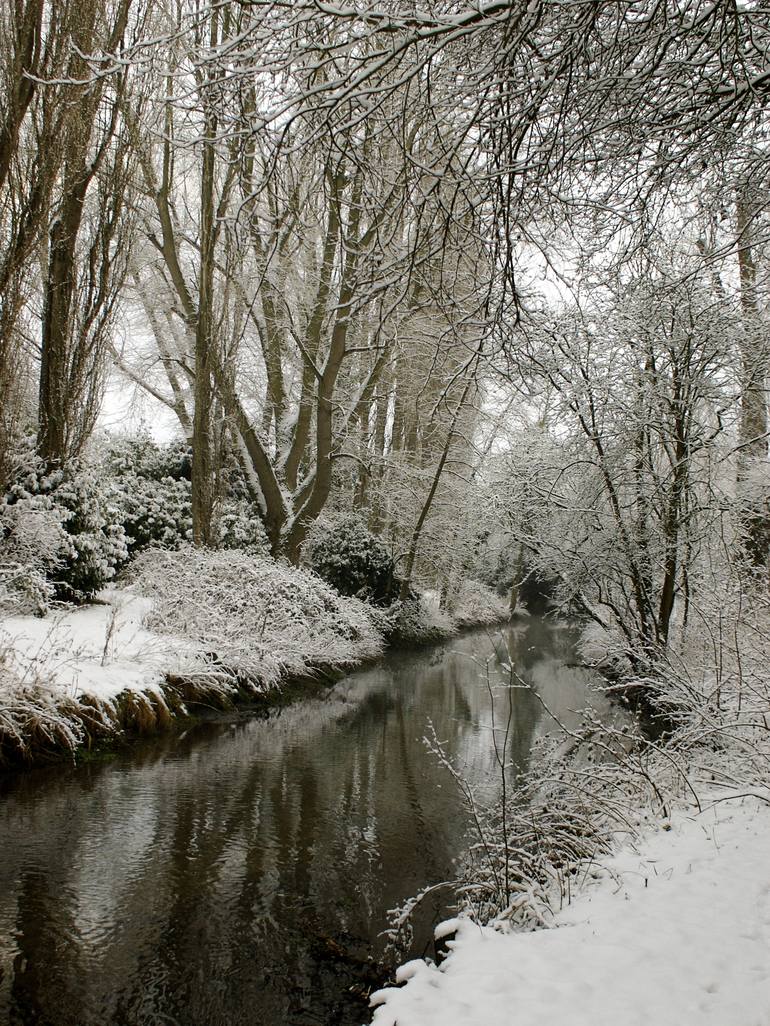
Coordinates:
[108,726]
[700,871]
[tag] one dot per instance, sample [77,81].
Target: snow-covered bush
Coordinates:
[142,456]
[159,513]
[33,544]
[153,490]
[478,605]
[154,512]
[354,561]
[259,619]
[61,535]
[151,485]
[97,540]
[238,527]
[418,621]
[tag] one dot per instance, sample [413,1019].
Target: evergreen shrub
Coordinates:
[355,562]
[66,529]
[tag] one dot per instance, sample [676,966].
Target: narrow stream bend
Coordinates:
[239,875]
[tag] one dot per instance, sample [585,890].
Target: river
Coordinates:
[241,873]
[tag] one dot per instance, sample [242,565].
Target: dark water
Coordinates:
[241,874]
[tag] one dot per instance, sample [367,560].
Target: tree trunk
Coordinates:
[59,286]
[203,456]
[753,372]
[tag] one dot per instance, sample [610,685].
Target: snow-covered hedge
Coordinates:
[259,619]
[239,527]
[141,455]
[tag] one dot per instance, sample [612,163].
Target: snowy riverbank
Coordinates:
[196,628]
[673,931]
[82,674]
[97,650]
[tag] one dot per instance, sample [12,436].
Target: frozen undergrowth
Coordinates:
[673,930]
[35,713]
[418,621]
[712,689]
[478,605]
[592,788]
[258,620]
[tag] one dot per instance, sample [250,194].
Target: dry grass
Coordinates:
[37,721]
[40,721]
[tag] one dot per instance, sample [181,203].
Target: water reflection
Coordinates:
[241,873]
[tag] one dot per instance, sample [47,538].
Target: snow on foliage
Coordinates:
[139,454]
[154,512]
[354,561]
[239,527]
[97,538]
[60,537]
[151,487]
[33,544]
[260,620]
[419,621]
[478,605]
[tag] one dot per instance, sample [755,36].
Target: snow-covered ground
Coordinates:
[674,932]
[98,650]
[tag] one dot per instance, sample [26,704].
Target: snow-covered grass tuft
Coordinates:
[36,716]
[259,620]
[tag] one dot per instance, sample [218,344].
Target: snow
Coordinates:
[672,932]
[98,650]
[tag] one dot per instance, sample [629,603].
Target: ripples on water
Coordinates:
[241,873]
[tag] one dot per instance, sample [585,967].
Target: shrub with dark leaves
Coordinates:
[90,543]
[141,456]
[355,562]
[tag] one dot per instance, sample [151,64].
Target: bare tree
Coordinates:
[643,378]
[71,346]
[32,124]
[318,254]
